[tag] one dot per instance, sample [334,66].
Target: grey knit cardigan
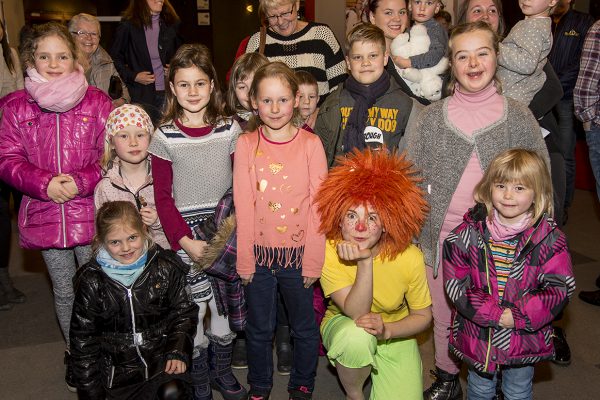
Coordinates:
[441,152]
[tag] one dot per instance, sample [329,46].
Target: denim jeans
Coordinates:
[517,384]
[567,139]
[593,141]
[261,298]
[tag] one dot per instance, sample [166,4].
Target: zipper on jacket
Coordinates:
[62,206]
[487,276]
[137,337]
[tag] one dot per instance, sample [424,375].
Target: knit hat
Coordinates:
[128,114]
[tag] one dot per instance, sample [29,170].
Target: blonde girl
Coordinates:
[132,322]
[51,141]
[278,169]
[453,143]
[192,152]
[242,73]
[126,166]
[508,273]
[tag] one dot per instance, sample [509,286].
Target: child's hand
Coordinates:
[373,324]
[309,281]
[246,279]
[149,215]
[351,252]
[193,248]
[70,185]
[506,319]
[175,367]
[57,191]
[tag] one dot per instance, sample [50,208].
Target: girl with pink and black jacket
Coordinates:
[51,141]
[508,273]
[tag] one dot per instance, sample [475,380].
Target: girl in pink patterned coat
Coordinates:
[508,273]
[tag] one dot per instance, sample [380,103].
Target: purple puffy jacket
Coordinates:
[35,146]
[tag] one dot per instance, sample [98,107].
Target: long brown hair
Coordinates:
[118,212]
[244,66]
[8,59]
[188,56]
[464,8]
[138,12]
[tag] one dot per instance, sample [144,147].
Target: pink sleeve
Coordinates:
[173,223]
[314,248]
[243,198]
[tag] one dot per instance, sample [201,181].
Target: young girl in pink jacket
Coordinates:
[51,141]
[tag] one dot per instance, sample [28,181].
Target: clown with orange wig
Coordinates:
[371,209]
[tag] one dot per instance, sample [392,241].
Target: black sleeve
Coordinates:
[547,97]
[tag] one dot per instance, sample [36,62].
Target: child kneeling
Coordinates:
[133,323]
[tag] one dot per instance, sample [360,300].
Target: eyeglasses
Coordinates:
[92,35]
[286,15]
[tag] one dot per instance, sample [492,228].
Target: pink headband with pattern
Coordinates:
[128,114]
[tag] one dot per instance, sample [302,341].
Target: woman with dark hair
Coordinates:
[144,42]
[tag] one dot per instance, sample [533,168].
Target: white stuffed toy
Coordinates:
[418,44]
[426,82]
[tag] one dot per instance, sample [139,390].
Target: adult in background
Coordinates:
[569,30]
[302,45]
[587,108]
[11,79]
[97,63]
[391,16]
[143,44]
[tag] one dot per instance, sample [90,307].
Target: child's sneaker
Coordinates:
[300,393]
[258,395]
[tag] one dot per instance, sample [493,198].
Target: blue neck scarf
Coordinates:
[126,274]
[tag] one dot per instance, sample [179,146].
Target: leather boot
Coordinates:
[5,305]
[13,295]
[201,377]
[445,387]
[239,359]
[221,376]
[562,352]
[284,350]
[69,378]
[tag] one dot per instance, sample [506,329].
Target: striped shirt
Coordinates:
[587,90]
[313,49]
[503,254]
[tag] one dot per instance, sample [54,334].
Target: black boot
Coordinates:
[239,359]
[562,352]
[5,305]
[284,350]
[445,387]
[69,378]
[13,295]
[201,377]
[598,281]
[221,376]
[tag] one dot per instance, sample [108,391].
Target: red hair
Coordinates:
[388,183]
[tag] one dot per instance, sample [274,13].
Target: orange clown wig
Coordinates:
[385,181]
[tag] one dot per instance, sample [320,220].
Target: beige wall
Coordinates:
[332,13]
[15,19]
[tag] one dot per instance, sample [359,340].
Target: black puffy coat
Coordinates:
[106,354]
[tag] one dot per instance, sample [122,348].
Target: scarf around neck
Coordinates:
[60,94]
[364,97]
[501,232]
[126,274]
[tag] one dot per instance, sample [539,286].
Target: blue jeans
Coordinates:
[567,139]
[593,141]
[261,298]
[517,384]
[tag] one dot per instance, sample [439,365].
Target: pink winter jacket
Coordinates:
[35,146]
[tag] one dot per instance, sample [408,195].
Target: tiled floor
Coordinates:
[31,345]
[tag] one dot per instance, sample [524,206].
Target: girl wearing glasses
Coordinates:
[301,45]
[126,164]
[51,139]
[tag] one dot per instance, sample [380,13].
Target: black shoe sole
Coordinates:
[561,363]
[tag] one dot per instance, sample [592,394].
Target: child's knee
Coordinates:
[344,339]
